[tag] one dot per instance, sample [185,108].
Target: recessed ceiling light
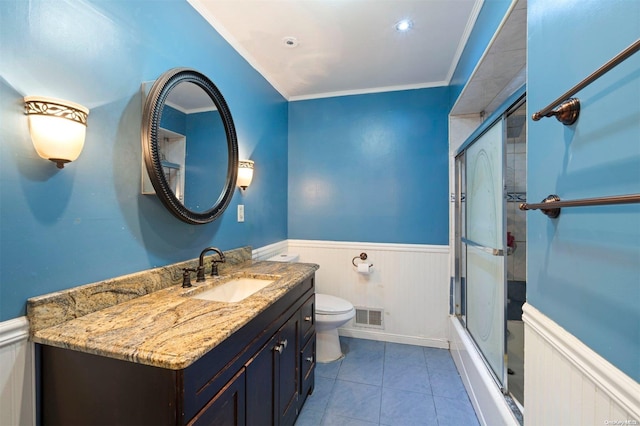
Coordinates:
[290,41]
[404,25]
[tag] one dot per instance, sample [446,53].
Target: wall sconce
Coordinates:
[57,128]
[245,173]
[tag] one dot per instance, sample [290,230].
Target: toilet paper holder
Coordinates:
[362,256]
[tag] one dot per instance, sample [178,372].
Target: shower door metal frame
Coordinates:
[460,273]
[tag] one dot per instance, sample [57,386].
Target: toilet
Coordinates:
[331,312]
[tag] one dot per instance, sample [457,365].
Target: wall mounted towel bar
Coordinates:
[568,107]
[552,204]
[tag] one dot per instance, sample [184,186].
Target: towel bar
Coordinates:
[569,108]
[552,204]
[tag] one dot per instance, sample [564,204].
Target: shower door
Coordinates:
[482,222]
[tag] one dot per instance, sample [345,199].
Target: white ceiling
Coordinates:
[345,46]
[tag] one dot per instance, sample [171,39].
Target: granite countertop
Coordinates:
[165,328]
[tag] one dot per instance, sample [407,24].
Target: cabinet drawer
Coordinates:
[307,319]
[307,367]
[308,284]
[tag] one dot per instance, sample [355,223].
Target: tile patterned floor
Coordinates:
[379,383]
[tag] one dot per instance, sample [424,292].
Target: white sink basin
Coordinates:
[234,290]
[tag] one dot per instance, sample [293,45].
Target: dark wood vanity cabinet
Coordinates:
[261,375]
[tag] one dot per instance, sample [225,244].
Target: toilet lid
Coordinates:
[327,304]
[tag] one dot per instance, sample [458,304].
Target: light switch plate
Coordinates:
[240,212]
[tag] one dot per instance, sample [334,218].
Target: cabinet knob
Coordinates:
[310,359]
[307,319]
[281,346]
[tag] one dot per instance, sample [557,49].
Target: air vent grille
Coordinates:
[369,317]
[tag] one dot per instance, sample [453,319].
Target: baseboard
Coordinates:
[393,338]
[583,378]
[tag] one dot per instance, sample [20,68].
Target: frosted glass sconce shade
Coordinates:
[57,128]
[245,173]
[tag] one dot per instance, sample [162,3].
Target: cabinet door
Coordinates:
[271,393]
[261,370]
[227,407]
[273,378]
[289,372]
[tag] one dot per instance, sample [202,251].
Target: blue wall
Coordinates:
[206,159]
[584,267]
[371,168]
[173,120]
[88,222]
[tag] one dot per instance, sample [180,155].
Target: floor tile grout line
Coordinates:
[387,355]
[426,361]
[384,361]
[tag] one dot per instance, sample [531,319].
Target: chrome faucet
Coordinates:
[214,263]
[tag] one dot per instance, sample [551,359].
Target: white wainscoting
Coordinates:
[410,282]
[17,380]
[567,383]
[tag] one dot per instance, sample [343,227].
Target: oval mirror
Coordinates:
[189,145]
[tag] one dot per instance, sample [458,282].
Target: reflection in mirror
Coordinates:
[190,148]
[172,149]
[196,162]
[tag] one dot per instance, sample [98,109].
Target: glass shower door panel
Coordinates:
[484,242]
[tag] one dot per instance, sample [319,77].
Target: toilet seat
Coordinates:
[331,305]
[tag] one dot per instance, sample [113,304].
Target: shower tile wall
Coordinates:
[516,181]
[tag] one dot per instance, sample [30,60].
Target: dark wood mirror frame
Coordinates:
[151,116]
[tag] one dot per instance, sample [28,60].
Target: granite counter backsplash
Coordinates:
[62,306]
[158,327]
